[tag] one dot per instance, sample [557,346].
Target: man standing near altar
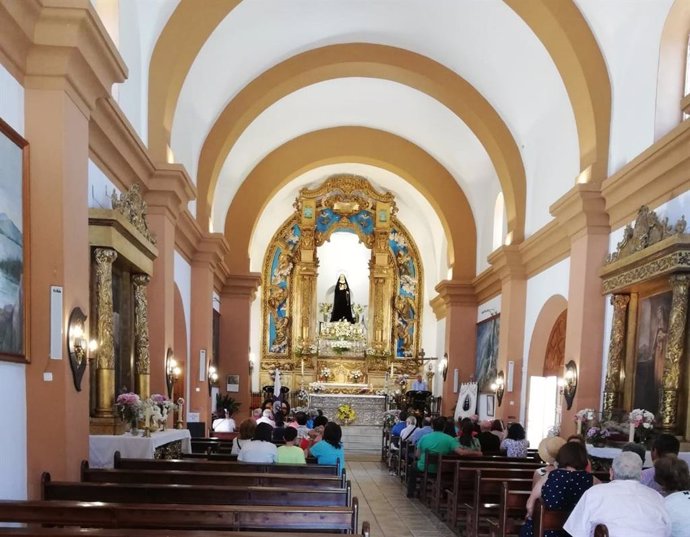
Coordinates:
[419,385]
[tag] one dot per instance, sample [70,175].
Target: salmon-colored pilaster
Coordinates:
[461,316]
[69,64]
[582,213]
[235,306]
[508,265]
[210,251]
[169,191]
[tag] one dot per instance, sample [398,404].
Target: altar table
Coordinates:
[612,453]
[369,408]
[102,447]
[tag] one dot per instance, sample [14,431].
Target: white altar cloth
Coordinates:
[612,453]
[102,447]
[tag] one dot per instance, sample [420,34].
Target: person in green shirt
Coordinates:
[290,453]
[434,442]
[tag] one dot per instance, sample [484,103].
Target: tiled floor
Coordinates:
[383,503]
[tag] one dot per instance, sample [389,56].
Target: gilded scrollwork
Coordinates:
[648,230]
[616,353]
[132,206]
[141,324]
[678,260]
[675,349]
[105,257]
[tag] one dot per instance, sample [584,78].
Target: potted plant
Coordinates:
[226,402]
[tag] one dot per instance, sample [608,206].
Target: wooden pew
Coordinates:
[486,495]
[198,465]
[192,494]
[129,532]
[547,519]
[512,508]
[177,516]
[247,479]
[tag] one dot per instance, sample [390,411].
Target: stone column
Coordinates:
[105,257]
[616,358]
[142,358]
[675,349]
[507,263]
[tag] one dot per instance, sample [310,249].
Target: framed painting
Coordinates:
[490,406]
[650,349]
[14,245]
[487,352]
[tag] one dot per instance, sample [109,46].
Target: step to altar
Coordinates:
[362,439]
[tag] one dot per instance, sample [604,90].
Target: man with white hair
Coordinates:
[267,417]
[626,506]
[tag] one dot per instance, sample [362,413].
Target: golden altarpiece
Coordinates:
[122,254]
[341,357]
[648,277]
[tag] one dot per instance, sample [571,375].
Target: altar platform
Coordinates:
[369,408]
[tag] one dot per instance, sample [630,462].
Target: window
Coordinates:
[499,221]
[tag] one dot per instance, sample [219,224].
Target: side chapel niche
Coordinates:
[122,253]
[648,277]
[291,339]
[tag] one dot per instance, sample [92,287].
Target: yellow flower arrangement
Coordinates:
[346,414]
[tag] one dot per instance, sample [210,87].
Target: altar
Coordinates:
[369,408]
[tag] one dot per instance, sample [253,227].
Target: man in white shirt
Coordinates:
[267,417]
[626,506]
[419,385]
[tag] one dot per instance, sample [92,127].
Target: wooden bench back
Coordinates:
[130,532]
[176,516]
[192,494]
[547,519]
[512,508]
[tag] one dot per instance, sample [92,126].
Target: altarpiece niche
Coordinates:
[648,278]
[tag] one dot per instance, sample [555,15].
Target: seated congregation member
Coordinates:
[256,414]
[302,429]
[330,449]
[449,427]
[489,442]
[515,444]
[548,450]
[467,440]
[626,506]
[636,448]
[436,442]
[260,448]
[562,487]
[399,425]
[290,453]
[279,429]
[411,426]
[673,476]
[266,417]
[664,445]
[419,433]
[246,433]
[225,424]
[576,438]
[498,429]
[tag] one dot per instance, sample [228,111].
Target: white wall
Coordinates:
[100,188]
[553,281]
[489,308]
[13,477]
[183,280]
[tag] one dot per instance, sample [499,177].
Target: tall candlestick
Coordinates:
[391,370]
[579,427]
[147,416]
[631,433]
[302,367]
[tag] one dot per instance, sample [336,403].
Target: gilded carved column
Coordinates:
[674,351]
[616,356]
[141,334]
[105,258]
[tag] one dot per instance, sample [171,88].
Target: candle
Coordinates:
[631,433]
[302,367]
[579,427]
[147,416]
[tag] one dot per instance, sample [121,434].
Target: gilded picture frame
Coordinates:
[14,246]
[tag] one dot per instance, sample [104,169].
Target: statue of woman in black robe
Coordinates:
[342,308]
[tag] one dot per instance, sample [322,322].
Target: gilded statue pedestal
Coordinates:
[108,425]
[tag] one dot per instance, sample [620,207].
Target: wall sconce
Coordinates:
[212,378]
[499,386]
[77,345]
[443,366]
[570,383]
[172,371]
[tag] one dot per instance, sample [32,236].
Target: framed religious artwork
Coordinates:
[233,383]
[490,406]
[486,352]
[14,245]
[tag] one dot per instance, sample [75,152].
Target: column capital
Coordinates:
[582,211]
[242,285]
[169,191]
[59,44]
[507,263]
[211,250]
[456,292]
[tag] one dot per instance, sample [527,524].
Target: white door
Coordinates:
[541,410]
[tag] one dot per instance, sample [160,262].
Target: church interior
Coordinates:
[475,208]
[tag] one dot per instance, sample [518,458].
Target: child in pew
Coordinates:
[290,453]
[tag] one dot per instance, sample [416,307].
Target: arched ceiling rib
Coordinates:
[361,145]
[376,61]
[366,102]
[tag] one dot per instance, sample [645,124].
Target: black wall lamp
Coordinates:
[499,386]
[570,383]
[77,345]
[172,371]
[212,378]
[443,366]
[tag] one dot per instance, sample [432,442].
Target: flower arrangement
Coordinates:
[302,396]
[129,406]
[346,414]
[325,309]
[356,375]
[325,374]
[389,417]
[402,379]
[586,414]
[357,310]
[597,435]
[316,387]
[642,421]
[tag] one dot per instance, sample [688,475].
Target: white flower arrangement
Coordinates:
[356,375]
[402,379]
[586,414]
[325,308]
[316,387]
[641,418]
[325,373]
